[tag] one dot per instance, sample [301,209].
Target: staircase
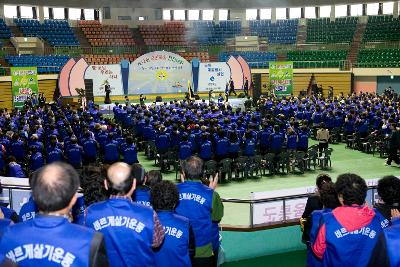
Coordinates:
[356,43]
[281,56]
[16,31]
[139,41]
[84,43]
[301,34]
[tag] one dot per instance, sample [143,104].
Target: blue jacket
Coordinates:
[195,203]
[54,236]
[111,152]
[343,249]
[185,150]
[15,170]
[128,231]
[28,210]
[130,154]
[205,150]
[175,249]
[142,196]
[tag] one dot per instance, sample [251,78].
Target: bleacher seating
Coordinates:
[379,58]
[326,31]
[108,59]
[280,32]
[55,32]
[106,35]
[382,28]
[254,59]
[209,33]
[5,31]
[45,64]
[171,33]
[59,33]
[325,58]
[29,27]
[202,56]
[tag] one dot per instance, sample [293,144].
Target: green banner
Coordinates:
[24,84]
[281,77]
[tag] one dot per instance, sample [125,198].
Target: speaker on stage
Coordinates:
[89,90]
[158,98]
[256,87]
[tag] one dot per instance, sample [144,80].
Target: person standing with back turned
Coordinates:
[202,206]
[131,230]
[61,243]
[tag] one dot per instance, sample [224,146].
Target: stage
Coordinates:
[108,108]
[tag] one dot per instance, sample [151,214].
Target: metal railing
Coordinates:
[257,209]
[282,205]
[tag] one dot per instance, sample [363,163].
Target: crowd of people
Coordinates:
[216,131]
[124,216]
[134,218]
[340,228]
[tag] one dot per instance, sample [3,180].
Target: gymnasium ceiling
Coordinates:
[202,4]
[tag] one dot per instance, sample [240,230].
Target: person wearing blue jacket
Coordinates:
[179,246]
[206,150]
[201,206]
[129,151]
[111,150]
[131,230]
[74,153]
[234,145]
[221,146]
[54,190]
[330,201]
[249,145]
[185,148]
[15,169]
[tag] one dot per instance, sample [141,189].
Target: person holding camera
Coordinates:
[142,98]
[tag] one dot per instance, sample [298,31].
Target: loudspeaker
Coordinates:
[158,98]
[89,90]
[241,95]
[256,87]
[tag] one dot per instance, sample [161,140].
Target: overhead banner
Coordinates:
[281,77]
[105,74]
[159,72]
[213,76]
[24,84]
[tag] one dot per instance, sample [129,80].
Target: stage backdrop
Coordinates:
[24,83]
[281,77]
[213,76]
[159,72]
[103,74]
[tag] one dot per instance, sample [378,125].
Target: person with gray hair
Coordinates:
[54,190]
[131,230]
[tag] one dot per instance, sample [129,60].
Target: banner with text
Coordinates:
[105,74]
[213,76]
[159,72]
[24,84]
[281,77]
